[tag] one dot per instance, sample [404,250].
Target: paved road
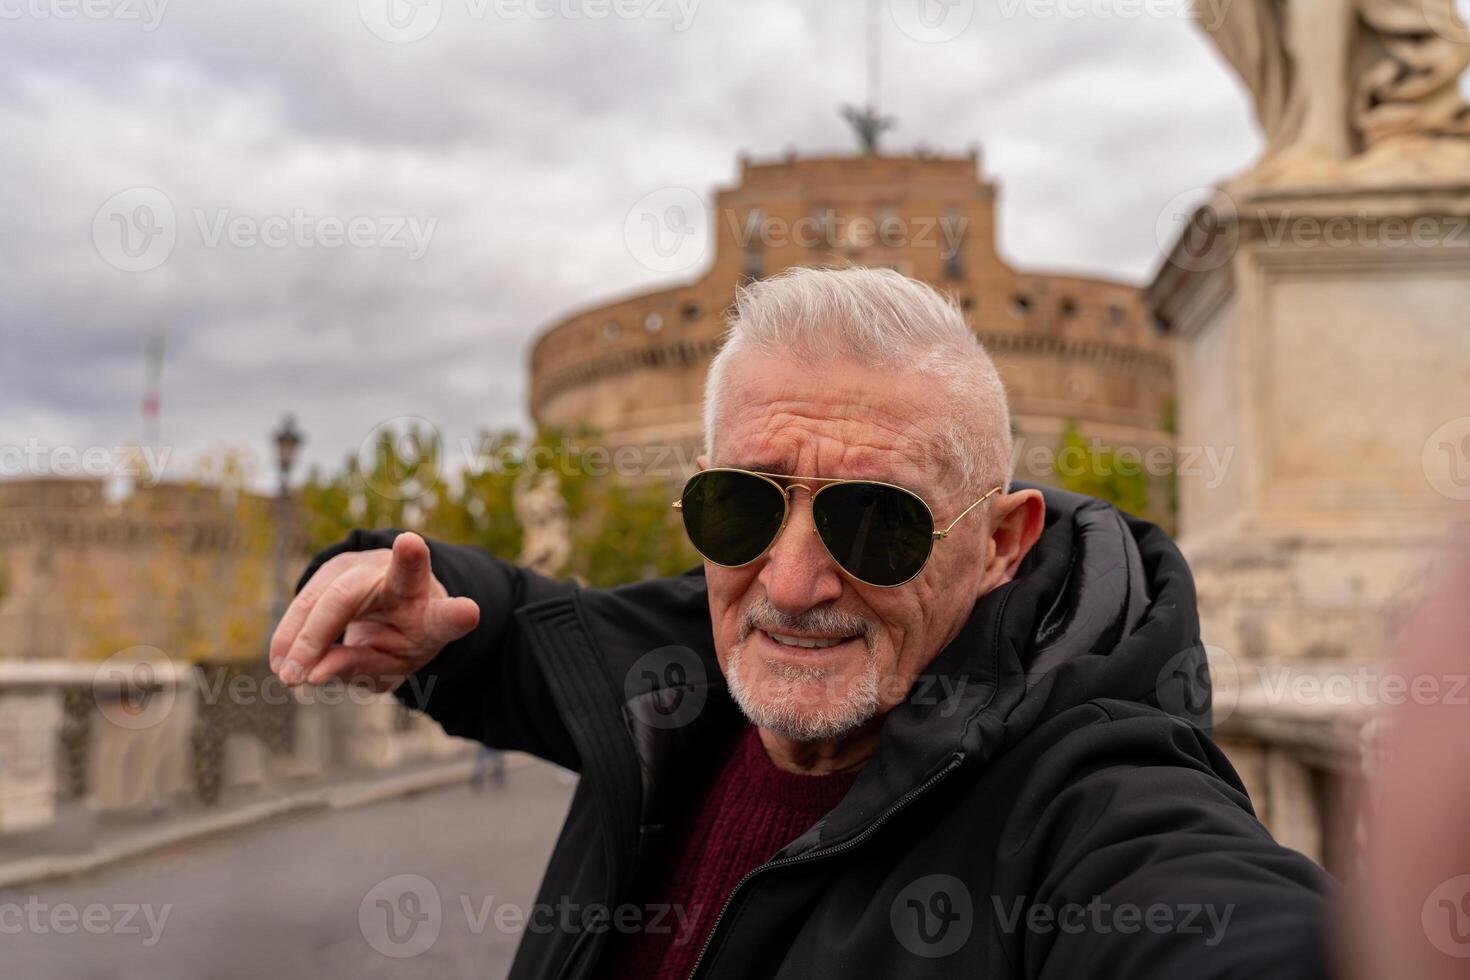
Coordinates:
[420,887]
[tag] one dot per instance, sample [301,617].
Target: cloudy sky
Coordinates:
[358,211]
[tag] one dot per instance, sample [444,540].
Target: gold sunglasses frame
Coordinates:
[935,534]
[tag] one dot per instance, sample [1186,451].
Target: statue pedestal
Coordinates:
[1324,359]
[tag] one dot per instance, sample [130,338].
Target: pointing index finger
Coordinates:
[408,572]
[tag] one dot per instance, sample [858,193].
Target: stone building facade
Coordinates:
[1068,347]
[85,573]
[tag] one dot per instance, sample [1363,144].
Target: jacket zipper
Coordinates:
[566,965]
[816,855]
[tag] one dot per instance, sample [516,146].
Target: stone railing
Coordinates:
[1301,758]
[149,735]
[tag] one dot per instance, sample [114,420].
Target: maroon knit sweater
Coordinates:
[747,813]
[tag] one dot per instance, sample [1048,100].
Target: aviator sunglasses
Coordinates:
[878,533]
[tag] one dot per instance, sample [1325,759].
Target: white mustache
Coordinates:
[763,616]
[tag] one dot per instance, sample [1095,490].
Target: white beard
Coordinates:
[777,704]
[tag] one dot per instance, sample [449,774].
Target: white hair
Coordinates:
[879,319]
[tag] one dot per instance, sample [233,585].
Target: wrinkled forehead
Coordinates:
[838,419]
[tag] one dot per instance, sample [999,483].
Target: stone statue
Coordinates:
[1351,91]
[868,123]
[545,528]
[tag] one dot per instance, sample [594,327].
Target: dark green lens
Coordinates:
[732,517]
[880,534]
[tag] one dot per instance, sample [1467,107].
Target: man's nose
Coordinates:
[798,572]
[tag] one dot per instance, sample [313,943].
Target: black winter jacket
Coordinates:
[1047,803]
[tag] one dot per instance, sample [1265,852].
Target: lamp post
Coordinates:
[288,440]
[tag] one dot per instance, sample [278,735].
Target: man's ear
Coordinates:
[1015,524]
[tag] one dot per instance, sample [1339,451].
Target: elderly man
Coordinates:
[906,721]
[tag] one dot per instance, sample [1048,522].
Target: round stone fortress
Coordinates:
[1069,348]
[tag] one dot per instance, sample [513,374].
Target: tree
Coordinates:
[1099,471]
[621,528]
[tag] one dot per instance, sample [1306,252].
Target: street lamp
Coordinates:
[288,440]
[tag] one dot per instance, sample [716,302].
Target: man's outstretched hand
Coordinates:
[392,614]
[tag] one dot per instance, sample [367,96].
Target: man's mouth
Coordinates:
[808,642]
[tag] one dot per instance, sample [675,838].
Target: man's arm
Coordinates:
[485,685]
[1147,863]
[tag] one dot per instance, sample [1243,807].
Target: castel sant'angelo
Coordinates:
[1070,348]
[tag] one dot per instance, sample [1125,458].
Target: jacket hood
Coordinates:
[1103,607]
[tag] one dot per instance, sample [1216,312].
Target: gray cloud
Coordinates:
[525,141]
